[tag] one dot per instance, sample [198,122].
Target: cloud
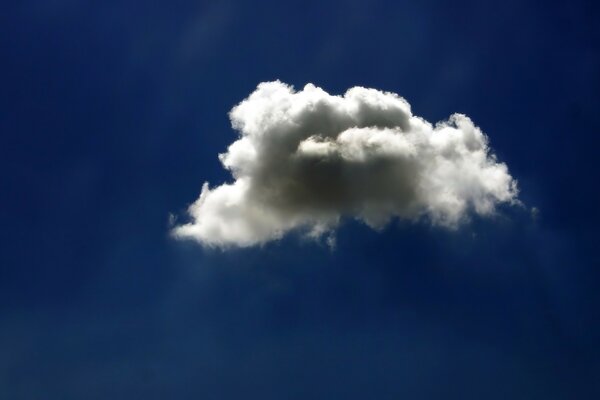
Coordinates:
[306,159]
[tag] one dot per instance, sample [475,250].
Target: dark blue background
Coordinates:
[111,117]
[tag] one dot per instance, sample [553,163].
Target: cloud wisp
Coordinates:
[306,159]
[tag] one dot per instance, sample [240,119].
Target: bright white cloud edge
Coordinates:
[306,159]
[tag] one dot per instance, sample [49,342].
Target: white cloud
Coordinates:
[306,159]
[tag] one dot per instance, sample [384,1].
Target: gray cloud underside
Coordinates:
[306,159]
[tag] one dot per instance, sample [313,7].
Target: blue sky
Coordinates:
[113,115]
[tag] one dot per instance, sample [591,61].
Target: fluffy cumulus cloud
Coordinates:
[306,159]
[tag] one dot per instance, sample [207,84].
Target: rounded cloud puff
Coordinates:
[306,159]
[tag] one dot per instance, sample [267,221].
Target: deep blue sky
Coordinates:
[112,117]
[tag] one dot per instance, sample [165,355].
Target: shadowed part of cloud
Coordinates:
[305,159]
